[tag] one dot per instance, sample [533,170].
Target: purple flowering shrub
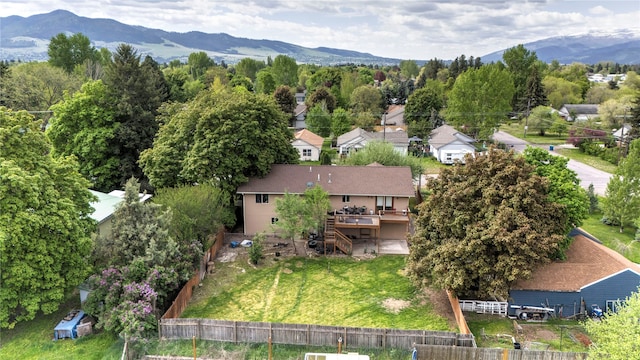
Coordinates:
[123,306]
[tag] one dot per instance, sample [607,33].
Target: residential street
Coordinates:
[586,174]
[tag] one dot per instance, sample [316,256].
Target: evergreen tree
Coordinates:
[621,203]
[137,91]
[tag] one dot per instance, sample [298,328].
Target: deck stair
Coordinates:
[335,238]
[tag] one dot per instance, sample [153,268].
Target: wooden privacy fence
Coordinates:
[426,352]
[182,300]
[305,334]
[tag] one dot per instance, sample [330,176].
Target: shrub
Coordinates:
[255,251]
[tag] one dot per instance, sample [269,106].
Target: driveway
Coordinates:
[587,174]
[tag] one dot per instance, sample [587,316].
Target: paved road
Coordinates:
[587,174]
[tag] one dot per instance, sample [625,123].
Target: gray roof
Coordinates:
[336,180]
[591,109]
[394,137]
[447,134]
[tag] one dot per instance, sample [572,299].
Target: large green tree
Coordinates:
[137,90]
[318,121]
[221,137]
[615,336]
[44,222]
[367,98]
[420,107]
[480,99]
[68,52]
[197,212]
[483,226]
[285,71]
[564,187]
[84,126]
[541,119]
[36,86]
[621,203]
[521,63]
[340,122]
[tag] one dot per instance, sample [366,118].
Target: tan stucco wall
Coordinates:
[257,217]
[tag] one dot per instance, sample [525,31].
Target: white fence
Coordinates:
[484,307]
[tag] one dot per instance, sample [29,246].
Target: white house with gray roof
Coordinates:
[449,145]
[358,138]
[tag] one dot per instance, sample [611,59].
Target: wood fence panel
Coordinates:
[217,330]
[429,352]
[293,334]
[368,338]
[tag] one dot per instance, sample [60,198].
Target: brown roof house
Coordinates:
[367,201]
[308,145]
[592,274]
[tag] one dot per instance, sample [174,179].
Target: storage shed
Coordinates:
[591,274]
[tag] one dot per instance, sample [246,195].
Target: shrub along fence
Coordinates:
[182,300]
[306,334]
[431,352]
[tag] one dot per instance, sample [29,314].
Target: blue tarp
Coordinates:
[67,328]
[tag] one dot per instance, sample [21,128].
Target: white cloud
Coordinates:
[412,29]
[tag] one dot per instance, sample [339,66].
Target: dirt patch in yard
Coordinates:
[441,305]
[395,305]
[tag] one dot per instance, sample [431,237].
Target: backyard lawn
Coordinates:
[612,238]
[324,291]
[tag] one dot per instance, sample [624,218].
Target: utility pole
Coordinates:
[526,121]
[384,126]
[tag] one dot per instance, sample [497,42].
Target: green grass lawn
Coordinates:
[34,340]
[592,161]
[612,238]
[517,129]
[323,291]
[559,335]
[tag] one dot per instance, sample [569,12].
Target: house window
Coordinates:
[306,152]
[274,220]
[384,202]
[262,198]
[346,198]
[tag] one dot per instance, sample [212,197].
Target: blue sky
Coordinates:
[410,29]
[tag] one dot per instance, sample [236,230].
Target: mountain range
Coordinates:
[27,39]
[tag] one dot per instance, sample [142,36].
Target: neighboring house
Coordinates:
[622,133]
[447,144]
[383,190]
[394,115]
[106,206]
[591,274]
[579,112]
[358,138]
[300,114]
[308,145]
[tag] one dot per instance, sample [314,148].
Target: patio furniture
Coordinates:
[68,327]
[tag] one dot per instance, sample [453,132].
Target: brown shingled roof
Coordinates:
[587,262]
[336,180]
[310,138]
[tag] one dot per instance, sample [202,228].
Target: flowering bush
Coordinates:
[123,306]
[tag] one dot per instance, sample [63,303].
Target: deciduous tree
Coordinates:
[68,52]
[383,153]
[483,226]
[420,106]
[480,99]
[318,121]
[340,122]
[45,222]
[285,71]
[84,126]
[615,336]
[367,98]
[621,203]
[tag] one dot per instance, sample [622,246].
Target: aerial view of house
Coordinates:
[358,138]
[592,274]
[447,144]
[308,145]
[380,193]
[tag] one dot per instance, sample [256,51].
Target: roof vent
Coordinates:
[329,178]
[318,177]
[310,169]
[310,184]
